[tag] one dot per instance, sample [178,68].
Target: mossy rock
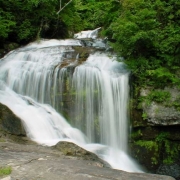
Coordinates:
[71,149]
[155,146]
[147,154]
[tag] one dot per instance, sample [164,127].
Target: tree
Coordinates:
[147,35]
[24,21]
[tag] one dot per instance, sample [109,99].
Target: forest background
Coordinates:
[145,33]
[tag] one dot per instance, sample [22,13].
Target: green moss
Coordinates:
[136,134]
[171,149]
[152,148]
[161,137]
[150,145]
[5,171]
[144,116]
[158,96]
[175,103]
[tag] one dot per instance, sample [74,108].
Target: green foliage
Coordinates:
[136,134]
[175,104]
[150,146]
[162,76]
[159,96]
[161,145]
[171,149]
[5,171]
[146,34]
[144,116]
[95,13]
[23,21]
[162,137]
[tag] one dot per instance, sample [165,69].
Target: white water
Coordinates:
[31,78]
[90,34]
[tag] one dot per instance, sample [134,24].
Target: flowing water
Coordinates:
[47,75]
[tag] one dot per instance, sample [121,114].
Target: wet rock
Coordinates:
[71,149]
[170,170]
[9,122]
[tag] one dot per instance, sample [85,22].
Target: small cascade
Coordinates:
[91,34]
[89,86]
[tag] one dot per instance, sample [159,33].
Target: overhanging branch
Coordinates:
[61,8]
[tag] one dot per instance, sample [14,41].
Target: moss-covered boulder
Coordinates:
[71,149]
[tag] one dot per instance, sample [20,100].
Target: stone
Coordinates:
[6,178]
[9,122]
[57,167]
[155,136]
[170,169]
[160,115]
[71,149]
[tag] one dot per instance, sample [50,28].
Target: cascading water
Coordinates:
[51,72]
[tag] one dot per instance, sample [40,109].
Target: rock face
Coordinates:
[161,110]
[155,138]
[10,123]
[33,162]
[71,149]
[160,115]
[171,170]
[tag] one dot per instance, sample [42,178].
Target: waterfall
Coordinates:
[49,76]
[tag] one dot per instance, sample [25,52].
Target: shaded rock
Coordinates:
[10,46]
[9,122]
[171,170]
[71,149]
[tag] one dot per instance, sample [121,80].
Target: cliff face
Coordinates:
[155,137]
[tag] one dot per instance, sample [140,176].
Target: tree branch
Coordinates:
[63,6]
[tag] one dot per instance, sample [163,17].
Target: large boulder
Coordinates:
[161,106]
[71,149]
[10,123]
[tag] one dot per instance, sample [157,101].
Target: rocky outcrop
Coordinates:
[156,107]
[161,115]
[161,107]
[71,149]
[9,122]
[37,162]
[155,138]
